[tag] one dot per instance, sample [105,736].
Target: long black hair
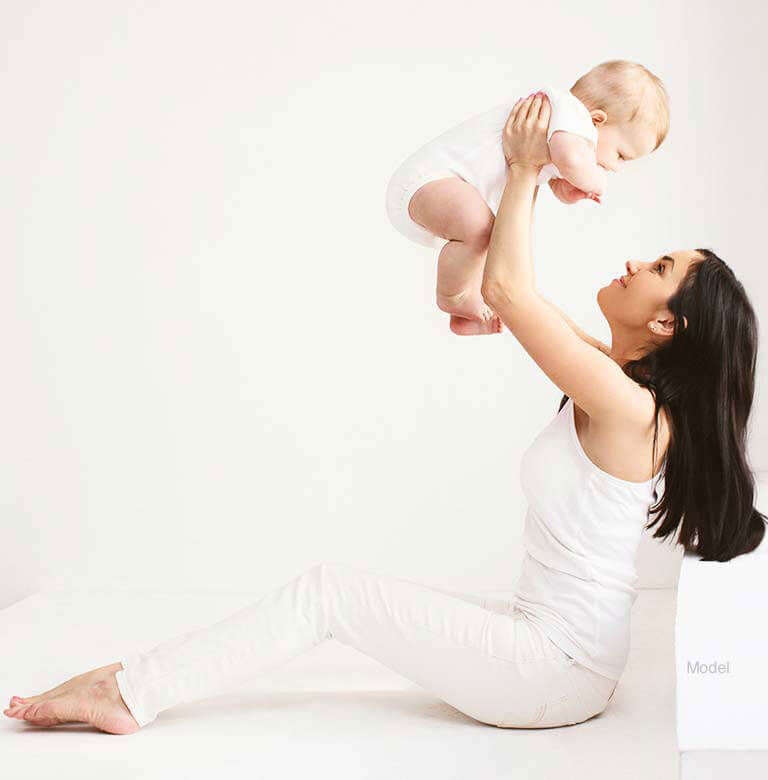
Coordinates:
[704,377]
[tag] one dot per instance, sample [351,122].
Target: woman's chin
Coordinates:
[605,300]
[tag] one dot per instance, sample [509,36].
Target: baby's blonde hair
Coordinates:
[627,92]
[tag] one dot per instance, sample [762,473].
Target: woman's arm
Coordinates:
[508,266]
[595,382]
[574,327]
[582,334]
[533,203]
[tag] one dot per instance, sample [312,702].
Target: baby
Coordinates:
[447,193]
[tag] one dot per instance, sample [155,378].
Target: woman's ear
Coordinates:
[599,116]
[663,326]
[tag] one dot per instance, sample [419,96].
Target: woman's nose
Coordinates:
[631,266]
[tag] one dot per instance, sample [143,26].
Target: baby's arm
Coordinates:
[565,192]
[573,156]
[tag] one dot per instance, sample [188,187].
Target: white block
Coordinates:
[721,652]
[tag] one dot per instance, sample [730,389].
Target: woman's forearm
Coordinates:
[508,264]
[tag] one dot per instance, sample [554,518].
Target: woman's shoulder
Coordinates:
[622,443]
[644,421]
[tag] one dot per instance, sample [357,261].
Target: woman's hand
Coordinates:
[524,138]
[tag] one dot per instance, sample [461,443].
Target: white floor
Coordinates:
[332,713]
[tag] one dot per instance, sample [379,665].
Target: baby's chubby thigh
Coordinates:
[453,209]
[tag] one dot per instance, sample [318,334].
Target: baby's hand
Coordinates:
[565,192]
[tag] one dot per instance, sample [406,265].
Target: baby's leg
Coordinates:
[454,209]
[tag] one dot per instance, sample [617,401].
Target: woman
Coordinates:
[682,362]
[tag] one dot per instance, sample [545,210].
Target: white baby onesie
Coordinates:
[473,151]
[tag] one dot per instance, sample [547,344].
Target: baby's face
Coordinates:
[626,141]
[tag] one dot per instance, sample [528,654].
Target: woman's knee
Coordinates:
[322,573]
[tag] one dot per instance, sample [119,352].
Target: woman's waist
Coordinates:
[557,561]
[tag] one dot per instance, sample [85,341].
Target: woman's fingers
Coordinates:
[527,114]
[519,112]
[522,114]
[544,110]
[533,108]
[539,109]
[525,109]
[513,113]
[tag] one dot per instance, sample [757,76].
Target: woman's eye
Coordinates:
[661,265]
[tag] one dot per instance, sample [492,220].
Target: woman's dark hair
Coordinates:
[704,376]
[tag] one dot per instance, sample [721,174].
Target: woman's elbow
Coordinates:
[495,292]
[489,291]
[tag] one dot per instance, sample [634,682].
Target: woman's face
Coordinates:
[641,304]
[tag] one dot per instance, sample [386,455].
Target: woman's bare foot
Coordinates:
[92,697]
[470,315]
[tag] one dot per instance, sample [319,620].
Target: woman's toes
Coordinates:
[68,685]
[40,714]
[61,709]
[99,704]
[17,711]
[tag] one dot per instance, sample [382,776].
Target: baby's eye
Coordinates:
[621,158]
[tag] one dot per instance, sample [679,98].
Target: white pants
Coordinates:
[482,656]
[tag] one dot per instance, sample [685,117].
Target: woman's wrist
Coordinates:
[523,169]
[523,172]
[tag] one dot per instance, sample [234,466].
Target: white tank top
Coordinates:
[582,531]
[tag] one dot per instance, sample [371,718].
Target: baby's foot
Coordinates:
[470,315]
[92,698]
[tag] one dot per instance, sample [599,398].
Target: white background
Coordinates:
[223,365]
